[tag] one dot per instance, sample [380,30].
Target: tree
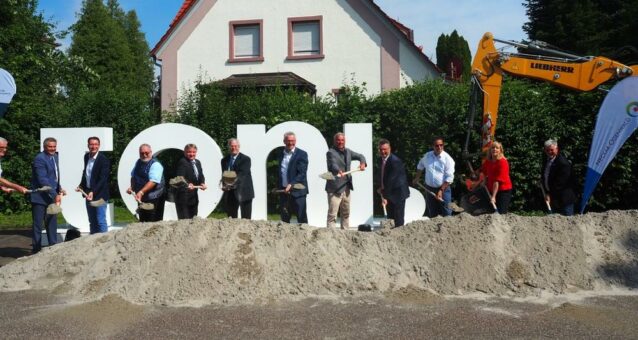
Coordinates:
[453,55]
[588,27]
[28,51]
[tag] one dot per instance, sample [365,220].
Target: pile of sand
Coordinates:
[236,261]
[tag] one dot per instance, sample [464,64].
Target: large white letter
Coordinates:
[72,145]
[175,136]
[257,144]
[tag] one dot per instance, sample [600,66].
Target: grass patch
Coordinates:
[23,220]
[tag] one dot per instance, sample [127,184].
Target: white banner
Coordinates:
[7,90]
[617,120]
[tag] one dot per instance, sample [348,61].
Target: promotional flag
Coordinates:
[7,90]
[617,120]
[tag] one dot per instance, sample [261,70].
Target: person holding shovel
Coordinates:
[147,184]
[438,166]
[293,168]
[239,194]
[95,185]
[557,181]
[393,188]
[339,158]
[5,184]
[186,197]
[45,172]
[496,169]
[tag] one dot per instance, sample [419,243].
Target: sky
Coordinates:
[428,18]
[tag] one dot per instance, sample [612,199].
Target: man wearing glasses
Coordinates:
[147,184]
[438,166]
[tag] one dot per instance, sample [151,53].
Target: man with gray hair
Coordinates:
[5,184]
[147,184]
[240,194]
[339,158]
[293,168]
[556,180]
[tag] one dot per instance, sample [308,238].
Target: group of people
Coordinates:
[149,186]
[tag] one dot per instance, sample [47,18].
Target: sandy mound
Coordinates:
[234,262]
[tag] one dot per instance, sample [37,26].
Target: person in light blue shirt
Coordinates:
[438,167]
[147,184]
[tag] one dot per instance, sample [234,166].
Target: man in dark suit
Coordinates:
[186,197]
[339,158]
[394,183]
[241,193]
[557,180]
[95,183]
[45,172]
[293,166]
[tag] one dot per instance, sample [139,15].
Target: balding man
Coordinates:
[147,183]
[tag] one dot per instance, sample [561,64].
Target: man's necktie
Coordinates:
[382,171]
[195,169]
[231,163]
[55,167]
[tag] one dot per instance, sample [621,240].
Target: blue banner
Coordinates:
[617,120]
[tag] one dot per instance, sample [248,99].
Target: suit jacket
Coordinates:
[244,186]
[395,180]
[560,180]
[185,169]
[297,169]
[336,163]
[99,177]
[43,174]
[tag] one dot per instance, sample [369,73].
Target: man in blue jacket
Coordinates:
[45,172]
[293,166]
[95,183]
[394,183]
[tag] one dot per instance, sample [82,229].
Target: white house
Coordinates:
[326,43]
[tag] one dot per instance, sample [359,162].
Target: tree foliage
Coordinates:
[453,55]
[589,27]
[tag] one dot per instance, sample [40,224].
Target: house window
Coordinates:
[246,41]
[305,38]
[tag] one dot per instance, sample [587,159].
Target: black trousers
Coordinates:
[232,205]
[289,204]
[154,215]
[186,211]
[396,211]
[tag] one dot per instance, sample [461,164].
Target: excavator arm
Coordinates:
[556,67]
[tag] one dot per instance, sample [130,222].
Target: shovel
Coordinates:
[452,205]
[143,205]
[330,177]
[180,181]
[42,189]
[95,204]
[549,207]
[296,186]
[489,197]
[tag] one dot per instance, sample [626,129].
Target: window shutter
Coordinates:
[305,36]
[246,41]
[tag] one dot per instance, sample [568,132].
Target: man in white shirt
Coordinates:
[438,166]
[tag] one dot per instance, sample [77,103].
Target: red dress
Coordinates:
[497,171]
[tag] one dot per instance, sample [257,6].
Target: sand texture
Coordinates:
[234,262]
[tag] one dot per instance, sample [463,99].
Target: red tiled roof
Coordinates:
[186,6]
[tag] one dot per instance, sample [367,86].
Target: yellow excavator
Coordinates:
[534,60]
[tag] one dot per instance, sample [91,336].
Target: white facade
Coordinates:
[360,44]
